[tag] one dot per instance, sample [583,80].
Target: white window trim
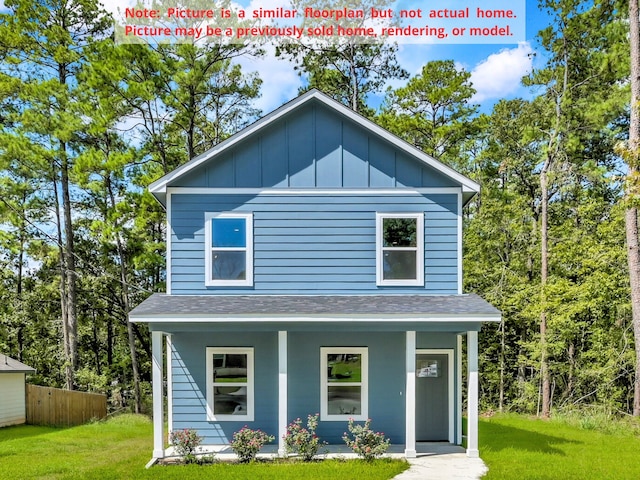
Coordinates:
[364,383]
[419,280]
[211,414]
[248,281]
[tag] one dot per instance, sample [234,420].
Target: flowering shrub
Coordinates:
[303,441]
[185,443]
[366,443]
[247,443]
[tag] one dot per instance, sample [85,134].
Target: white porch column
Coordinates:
[458,389]
[410,396]
[472,392]
[169,385]
[158,413]
[282,391]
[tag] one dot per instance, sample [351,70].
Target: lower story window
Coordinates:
[344,383]
[230,383]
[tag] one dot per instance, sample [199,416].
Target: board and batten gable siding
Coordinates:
[12,399]
[324,244]
[314,147]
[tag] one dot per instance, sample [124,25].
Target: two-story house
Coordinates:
[314,264]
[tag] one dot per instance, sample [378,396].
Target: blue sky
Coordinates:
[496,69]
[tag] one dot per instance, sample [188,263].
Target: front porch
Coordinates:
[410,449]
[407,349]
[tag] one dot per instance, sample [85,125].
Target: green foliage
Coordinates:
[432,111]
[186,443]
[247,443]
[366,443]
[349,69]
[303,441]
[102,122]
[108,120]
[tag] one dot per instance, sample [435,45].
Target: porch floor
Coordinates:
[224,452]
[434,460]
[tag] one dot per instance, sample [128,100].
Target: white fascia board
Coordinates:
[401,144]
[159,186]
[168,243]
[459,243]
[312,191]
[341,319]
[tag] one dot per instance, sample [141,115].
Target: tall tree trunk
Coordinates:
[551,160]
[22,239]
[354,80]
[125,302]
[69,253]
[631,214]
[63,275]
[544,271]
[70,270]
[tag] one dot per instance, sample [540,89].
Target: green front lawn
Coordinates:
[514,447]
[120,448]
[520,448]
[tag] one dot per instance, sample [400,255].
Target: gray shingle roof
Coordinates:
[397,306]
[10,365]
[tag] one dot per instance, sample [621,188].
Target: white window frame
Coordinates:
[363,384]
[209,281]
[419,248]
[211,414]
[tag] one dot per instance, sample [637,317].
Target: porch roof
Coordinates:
[467,307]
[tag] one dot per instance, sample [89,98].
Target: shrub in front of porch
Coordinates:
[303,441]
[366,443]
[186,442]
[247,443]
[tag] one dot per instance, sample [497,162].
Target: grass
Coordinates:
[577,446]
[119,449]
[517,447]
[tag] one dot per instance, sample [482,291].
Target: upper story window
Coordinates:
[400,248]
[229,249]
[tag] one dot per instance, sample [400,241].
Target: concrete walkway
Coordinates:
[443,462]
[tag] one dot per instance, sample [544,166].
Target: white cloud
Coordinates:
[280,82]
[499,75]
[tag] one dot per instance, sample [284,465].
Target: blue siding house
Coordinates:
[314,264]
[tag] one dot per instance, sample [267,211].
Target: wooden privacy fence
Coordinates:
[63,408]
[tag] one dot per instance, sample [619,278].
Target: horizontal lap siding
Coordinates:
[188,377]
[12,399]
[386,352]
[314,243]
